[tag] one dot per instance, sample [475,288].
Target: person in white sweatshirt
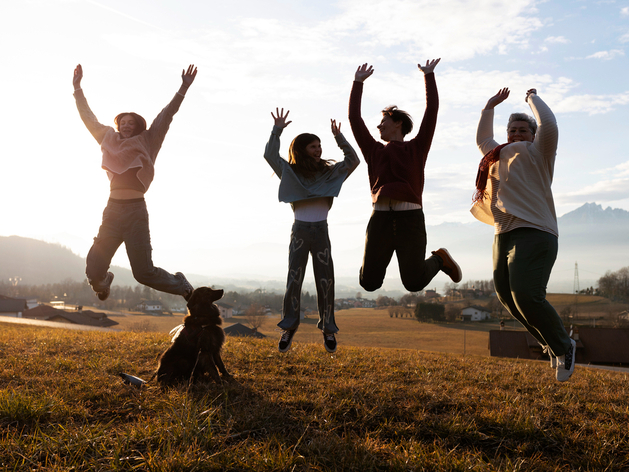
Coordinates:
[513,194]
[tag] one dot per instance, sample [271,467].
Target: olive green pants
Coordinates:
[523,260]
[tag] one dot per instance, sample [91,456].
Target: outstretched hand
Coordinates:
[280,119]
[529,93]
[78,75]
[497,99]
[363,72]
[187,76]
[336,129]
[429,67]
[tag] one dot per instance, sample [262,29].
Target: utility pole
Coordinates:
[576,289]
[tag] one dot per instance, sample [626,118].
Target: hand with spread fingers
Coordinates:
[497,99]
[363,72]
[429,67]
[280,119]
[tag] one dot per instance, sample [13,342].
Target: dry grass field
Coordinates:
[365,327]
[63,408]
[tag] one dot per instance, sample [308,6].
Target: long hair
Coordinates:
[299,159]
[139,122]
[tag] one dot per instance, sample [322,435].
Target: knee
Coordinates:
[370,285]
[142,276]
[413,286]
[527,300]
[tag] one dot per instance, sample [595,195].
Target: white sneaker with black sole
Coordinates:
[565,363]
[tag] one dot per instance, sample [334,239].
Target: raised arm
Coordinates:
[363,137]
[547,135]
[160,125]
[351,158]
[272,149]
[429,121]
[485,131]
[187,77]
[97,129]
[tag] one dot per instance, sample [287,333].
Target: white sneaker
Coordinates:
[565,363]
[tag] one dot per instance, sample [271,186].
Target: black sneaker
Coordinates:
[104,287]
[286,340]
[188,288]
[329,341]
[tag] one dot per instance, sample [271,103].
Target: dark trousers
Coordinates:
[128,222]
[402,232]
[309,238]
[523,259]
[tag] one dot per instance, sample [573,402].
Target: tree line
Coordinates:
[615,285]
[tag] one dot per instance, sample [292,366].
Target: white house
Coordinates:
[474,313]
[150,305]
[226,310]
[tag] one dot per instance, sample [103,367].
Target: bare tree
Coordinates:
[255,316]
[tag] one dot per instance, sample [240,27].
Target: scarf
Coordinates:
[483,172]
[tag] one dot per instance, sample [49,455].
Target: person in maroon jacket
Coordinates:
[396,177]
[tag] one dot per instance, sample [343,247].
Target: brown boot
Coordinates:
[450,267]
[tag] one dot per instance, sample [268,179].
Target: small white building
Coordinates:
[226,310]
[474,313]
[150,305]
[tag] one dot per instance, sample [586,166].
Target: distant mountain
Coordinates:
[593,214]
[36,262]
[595,238]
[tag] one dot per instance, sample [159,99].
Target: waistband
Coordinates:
[311,224]
[419,213]
[123,202]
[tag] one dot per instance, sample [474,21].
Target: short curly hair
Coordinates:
[523,117]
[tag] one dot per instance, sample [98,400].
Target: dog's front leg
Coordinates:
[206,364]
[221,367]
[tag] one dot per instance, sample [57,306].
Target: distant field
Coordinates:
[360,327]
[369,327]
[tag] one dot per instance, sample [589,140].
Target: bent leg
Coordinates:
[297,259]
[379,248]
[106,243]
[137,240]
[530,264]
[410,236]
[501,249]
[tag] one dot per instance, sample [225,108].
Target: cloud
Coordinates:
[433,28]
[591,104]
[624,38]
[607,55]
[620,170]
[624,11]
[604,190]
[557,40]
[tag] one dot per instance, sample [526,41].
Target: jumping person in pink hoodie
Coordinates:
[129,154]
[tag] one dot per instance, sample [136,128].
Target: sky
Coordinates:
[213,204]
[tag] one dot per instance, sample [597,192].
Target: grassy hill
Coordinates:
[62,407]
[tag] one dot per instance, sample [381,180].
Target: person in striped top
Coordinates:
[513,193]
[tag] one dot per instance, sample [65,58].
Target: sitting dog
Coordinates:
[196,348]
